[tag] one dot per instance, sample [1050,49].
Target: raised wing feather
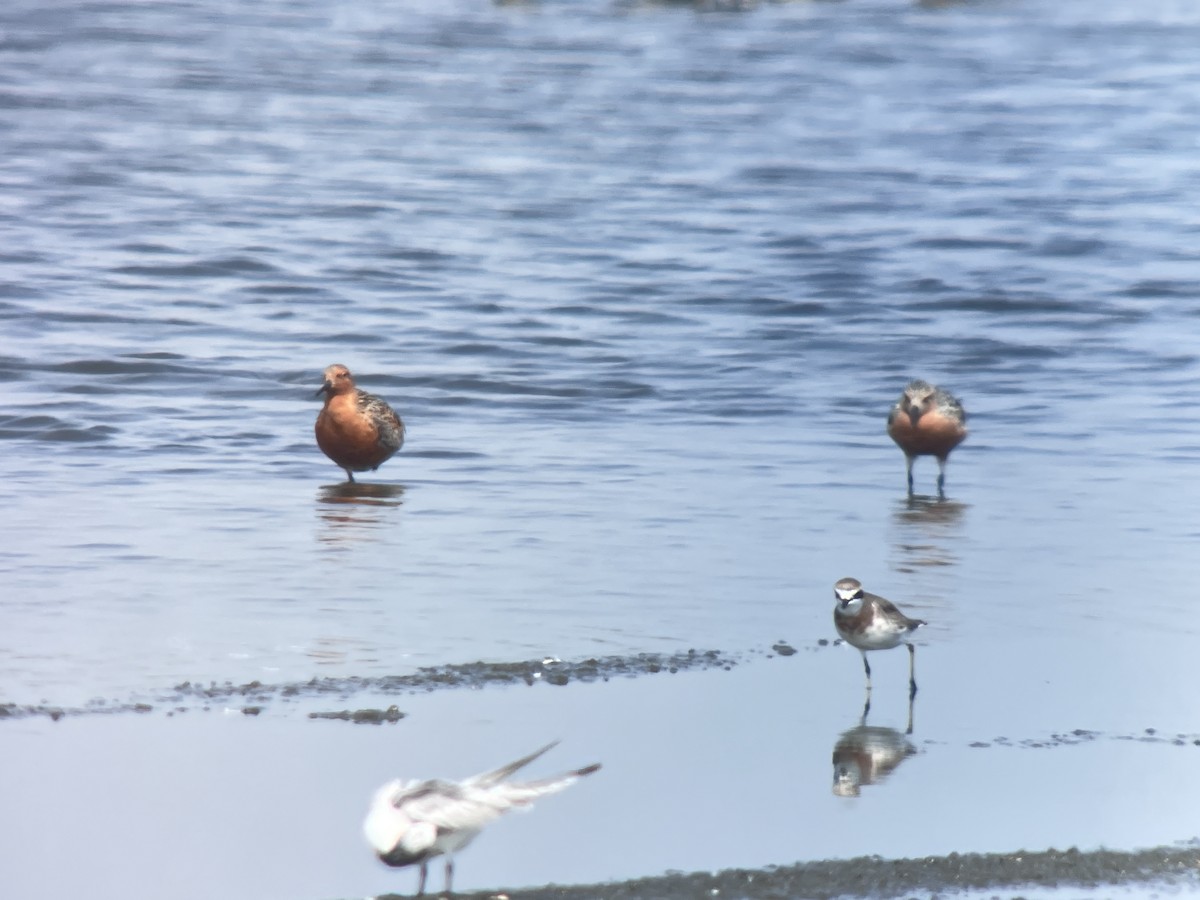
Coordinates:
[504,771]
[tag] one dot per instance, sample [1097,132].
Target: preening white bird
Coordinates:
[411,822]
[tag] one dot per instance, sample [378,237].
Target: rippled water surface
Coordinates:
[643,280]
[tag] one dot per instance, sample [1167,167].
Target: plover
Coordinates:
[867,755]
[870,622]
[927,421]
[410,822]
[357,430]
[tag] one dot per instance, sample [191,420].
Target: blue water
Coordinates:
[643,280]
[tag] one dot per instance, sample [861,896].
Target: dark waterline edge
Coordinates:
[254,698]
[873,876]
[255,695]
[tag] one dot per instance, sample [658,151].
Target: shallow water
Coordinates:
[702,771]
[643,280]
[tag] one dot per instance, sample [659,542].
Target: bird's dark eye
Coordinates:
[857,595]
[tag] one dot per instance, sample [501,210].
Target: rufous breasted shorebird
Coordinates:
[870,622]
[411,822]
[927,421]
[357,430]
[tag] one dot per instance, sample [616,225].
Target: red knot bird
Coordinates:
[927,421]
[357,430]
[411,822]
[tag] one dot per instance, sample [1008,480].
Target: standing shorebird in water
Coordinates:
[927,421]
[410,822]
[357,430]
[870,622]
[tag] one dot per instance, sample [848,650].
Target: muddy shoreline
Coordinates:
[254,695]
[871,876]
[255,698]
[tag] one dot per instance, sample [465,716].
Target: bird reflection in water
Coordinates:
[352,509]
[867,754]
[927,529]
[930,513]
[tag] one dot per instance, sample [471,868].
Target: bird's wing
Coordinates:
[512,794]
[886,605]
[470,806]
[890,609]
[955,407]
[387,423]
[497,775]
[450,806]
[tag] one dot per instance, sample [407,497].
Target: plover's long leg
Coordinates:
[908,463]
[867,669]
[910,715]
[912,671]
[421,878]
[941,476]
[449,874]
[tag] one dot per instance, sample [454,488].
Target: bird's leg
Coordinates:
[912,673]
[421,879]
[867,695]
[908,461]
[942,477]
[909,730]
[449,874]
[349,477]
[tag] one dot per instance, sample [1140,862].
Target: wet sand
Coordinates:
[255,694]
